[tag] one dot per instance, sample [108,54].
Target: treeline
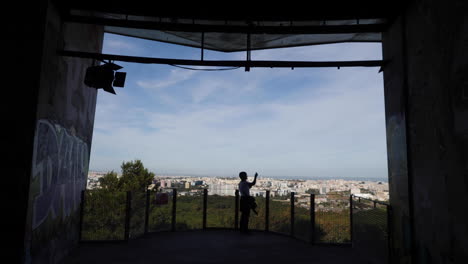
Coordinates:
[105,211]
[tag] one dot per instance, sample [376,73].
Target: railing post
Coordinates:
[147,209]
[267,211]
[205,202]
[82,206]
[236,213]
[174,209]
[351,218]
[312,218]
[292,214]
[128,215]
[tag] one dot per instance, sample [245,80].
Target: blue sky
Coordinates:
[315,122]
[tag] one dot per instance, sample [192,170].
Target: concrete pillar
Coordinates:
[427,131]
[396,123]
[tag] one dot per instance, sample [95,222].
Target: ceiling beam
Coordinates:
[223,63]
[255,29]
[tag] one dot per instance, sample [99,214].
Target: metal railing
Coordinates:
[371,222]
[333,219]
[317,219]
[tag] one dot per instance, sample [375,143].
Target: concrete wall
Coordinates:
[62,140]
[428,50]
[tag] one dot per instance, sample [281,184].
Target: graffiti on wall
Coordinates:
[59,169]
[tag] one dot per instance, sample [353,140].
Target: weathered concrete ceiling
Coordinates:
[248,29]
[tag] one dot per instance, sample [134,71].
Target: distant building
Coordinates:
[198,183]
[324,190]
[222,189]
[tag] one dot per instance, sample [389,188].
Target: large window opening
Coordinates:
[305,131]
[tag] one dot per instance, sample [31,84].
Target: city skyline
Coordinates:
[251,175]
[226,186]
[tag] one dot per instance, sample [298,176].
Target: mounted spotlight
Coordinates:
[105,77]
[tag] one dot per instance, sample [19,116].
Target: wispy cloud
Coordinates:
[176,76]
[119,45]
[220,86]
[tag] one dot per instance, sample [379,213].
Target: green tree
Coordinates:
[104,212]
[135,177]
[110,181]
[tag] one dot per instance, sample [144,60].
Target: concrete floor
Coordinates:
[213,246]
